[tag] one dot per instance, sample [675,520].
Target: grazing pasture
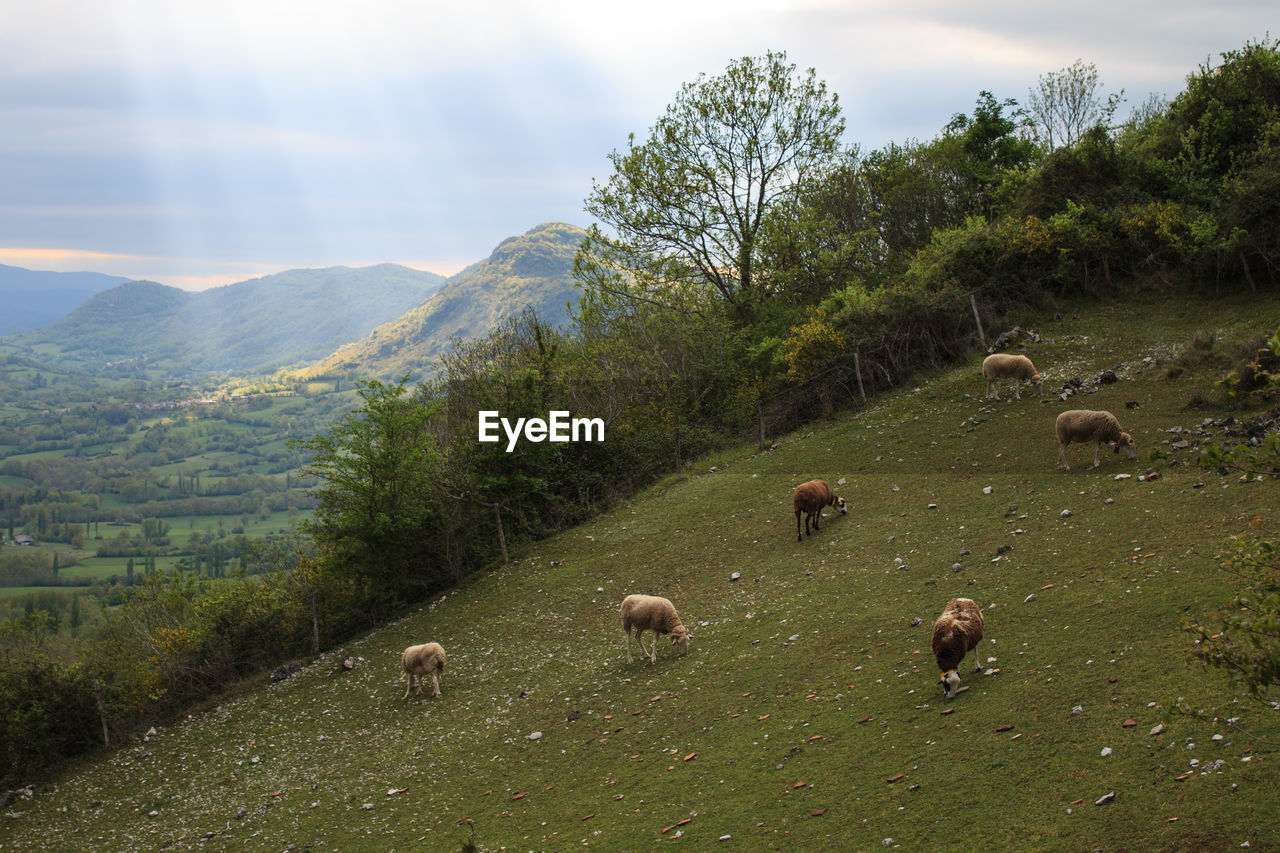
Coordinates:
[807,714]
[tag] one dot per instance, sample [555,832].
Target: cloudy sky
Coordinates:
[203,142]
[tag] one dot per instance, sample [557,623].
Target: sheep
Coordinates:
[423,660]
[652,613]
[1004,365]
[1083,425]
[957,631]
[809,499]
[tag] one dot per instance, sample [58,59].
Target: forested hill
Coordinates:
[30,299]
[532,270]
[254,326]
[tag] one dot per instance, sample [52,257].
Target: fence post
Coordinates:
[857,368]
[502,537]
[981,336]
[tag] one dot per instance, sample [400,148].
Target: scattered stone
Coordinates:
[1078,709]
[1128,724]
[1030,598]
[241,813]
[1066,513]
[535,736]
[916,621]
[986,490]
[1157,730]
[349,663]
[1106,750]
[1105,798]
[956,567]
[1123,476]
[281,673]
[735,576]
[573,716]
[1003,549]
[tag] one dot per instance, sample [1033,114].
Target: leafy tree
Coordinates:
[688,204]
[1244,638]
[1067,103]
[379,500]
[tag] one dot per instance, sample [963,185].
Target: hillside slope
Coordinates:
[807,715]
[30,299]
[252,326]
[533,270]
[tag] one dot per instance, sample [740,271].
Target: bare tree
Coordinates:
[1066,104]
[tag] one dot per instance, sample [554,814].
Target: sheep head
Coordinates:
[680,637]
[1126,441]
[950,682]
[840,505]
[1037,379]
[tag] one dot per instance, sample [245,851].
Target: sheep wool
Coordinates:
[957,631]
[1084,426]
[1009,366]
[652,613]
[421,661]
[809,499]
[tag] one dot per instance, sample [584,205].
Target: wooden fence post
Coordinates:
[981,336]
[502,537]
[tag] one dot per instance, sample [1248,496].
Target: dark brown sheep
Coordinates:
[809,499]
[957,631]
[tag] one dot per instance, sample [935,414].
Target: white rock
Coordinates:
[1106,750]
[535,736]
[986,490]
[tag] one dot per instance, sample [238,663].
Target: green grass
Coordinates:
[807,688]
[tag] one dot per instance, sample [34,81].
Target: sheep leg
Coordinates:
[799,538]
[1062,456]
[991,389]
[408,683]
[628,630]
[652,654]
[435,684]
[1097,449]
[816,517]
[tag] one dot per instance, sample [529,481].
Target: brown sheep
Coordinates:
[957,631]
[652,613]
[1083,425]
[1008,366]
[809,499]
[426,659]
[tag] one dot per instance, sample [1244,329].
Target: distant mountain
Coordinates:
[30,299]
[533,270]
[254,326]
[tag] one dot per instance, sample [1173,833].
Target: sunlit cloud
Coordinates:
[191,142]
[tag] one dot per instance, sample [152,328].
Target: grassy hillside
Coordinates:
[807,715]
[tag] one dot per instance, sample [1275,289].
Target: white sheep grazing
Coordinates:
[809,498]
[1083,426]
[1005,365]
[656,614]
[957,631]
[426,659]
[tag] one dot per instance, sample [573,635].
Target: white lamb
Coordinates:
[426,659]
[957,631]
[1005,365]
[1083,426]
[656,614]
